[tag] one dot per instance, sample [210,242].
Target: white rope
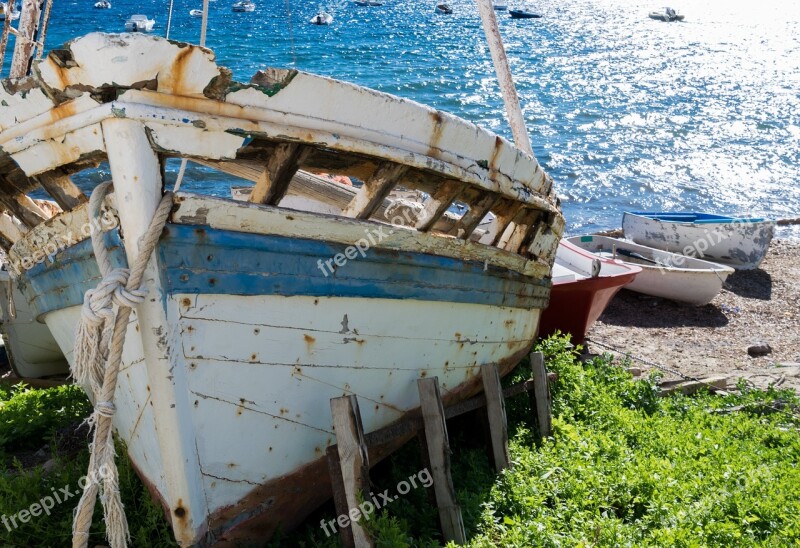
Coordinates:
[98,354]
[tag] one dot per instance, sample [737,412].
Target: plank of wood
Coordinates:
[274,180]
[354,462]
[61,188]
[339,496]
[541,393]
[374,190]
[712,384]
[9,229]
[24,209]
[439,453]
[466,225]
[496,413]
[505,210]
[438,203]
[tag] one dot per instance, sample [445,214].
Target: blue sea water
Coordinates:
[624,112]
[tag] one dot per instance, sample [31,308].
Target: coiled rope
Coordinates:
[98,353]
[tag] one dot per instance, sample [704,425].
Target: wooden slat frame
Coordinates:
[375,189]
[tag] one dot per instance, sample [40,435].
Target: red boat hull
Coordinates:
[575,306]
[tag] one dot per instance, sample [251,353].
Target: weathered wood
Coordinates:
[438,203]
[505,211]
[354,462]
[788,222]
[10,230]
[4,41]
[467,224]
[24,209]
[515,231]
[541,392]
[274,181]
[339,496]
[714,384]
[496,413]
[375,189]
[439,452]
[61,188]
[26,38]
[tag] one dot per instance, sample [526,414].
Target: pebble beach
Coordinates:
[757,310]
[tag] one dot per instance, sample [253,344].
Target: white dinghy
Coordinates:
[256,315]
[741,242]
[663,274]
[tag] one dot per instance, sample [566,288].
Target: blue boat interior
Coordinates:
[694,217]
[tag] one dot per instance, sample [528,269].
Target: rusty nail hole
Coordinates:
[192,365]
[196,403]
[180,512]
[289,218]
[186,302]
[424,374]
[253,357]
[270,448]
[184,277]
[256,331]
[212,281]
[137,327]
[210,257]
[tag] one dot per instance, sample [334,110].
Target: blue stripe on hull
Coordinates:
[198,259]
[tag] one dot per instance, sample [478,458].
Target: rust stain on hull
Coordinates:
[284,503]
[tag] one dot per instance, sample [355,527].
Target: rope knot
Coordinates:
[105,408]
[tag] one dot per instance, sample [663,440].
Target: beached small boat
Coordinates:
[523,14]
[31,349]
[244,6]
[196,13]
[322,18]
[583,286]
[668,15]
[256,314]
[443,9]
[9,11]
[741,242]
[139,23]
[663,274]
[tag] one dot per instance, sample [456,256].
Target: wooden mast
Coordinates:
[507,87]
[26,38]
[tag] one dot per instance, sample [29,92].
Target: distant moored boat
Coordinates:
[244,6]
[196,13]
[139,23]
[668,15]
[523,14]
[103,5]
[322,18]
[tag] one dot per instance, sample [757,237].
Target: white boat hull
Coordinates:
[740,245]
[676,277]
[32,351]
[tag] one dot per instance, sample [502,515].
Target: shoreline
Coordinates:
[755,307]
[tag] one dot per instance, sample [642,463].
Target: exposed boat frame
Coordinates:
[231,279]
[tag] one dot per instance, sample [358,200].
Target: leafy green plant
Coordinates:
[28,414]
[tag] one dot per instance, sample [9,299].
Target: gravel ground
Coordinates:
[755,307]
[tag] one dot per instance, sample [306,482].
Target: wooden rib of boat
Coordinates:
[663,274]
[257,314]
[739,242]
[583,286]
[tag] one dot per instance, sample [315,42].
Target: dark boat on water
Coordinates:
[523,14]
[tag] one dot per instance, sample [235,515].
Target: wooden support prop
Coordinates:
[439,452]
[274,180]
[541,396]
[438,203]
[354,466]
[61,188]
[4,41]
[496,412]
[526,219]
[9,229]
[370,196]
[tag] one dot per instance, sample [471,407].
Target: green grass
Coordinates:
[623,468]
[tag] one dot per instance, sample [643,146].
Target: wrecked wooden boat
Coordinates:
[257,314]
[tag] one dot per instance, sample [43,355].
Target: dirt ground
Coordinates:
[755,307]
